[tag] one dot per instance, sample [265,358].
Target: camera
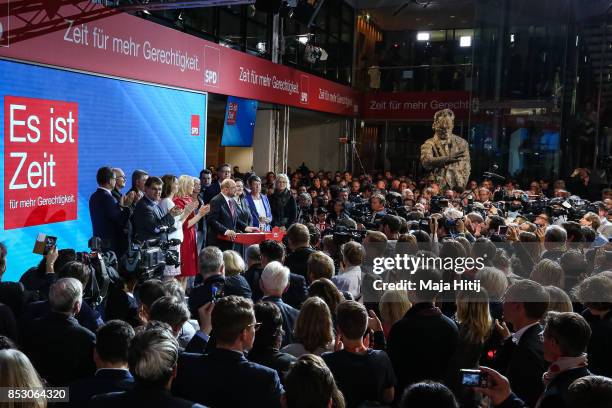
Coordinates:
[103,266]
[149,259]
[437,204]
[342,235]
[474,378]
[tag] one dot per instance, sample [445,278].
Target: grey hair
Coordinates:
[253,253]
[64,294]
[211,260]
[280,176]
[555,233]
[153,355]
[275,276]
[306,197]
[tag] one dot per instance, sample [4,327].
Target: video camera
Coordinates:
[342,235]
[102,263]
[149,259]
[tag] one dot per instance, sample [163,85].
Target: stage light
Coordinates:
[423,36]
[303,39]
[465,41]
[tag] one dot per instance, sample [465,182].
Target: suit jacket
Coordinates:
[555,395]
[211,191]
[8,324]
[141,397]
[104,381]
[290,315]
[87,317]
[226,379]
[108,219]
[220,220]
[148,218]
[297,261]
[253,209]
[421,345]
[294,296]
[277,360]
[60,348]
[600,345]
[244,211]
[523,364]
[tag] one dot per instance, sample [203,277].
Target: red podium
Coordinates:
[251,238]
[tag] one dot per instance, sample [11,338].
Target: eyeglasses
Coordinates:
[256,326]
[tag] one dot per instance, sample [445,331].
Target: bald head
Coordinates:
[228,187]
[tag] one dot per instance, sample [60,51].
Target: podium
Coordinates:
[251,238]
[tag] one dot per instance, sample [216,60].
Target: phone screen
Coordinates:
[49,244]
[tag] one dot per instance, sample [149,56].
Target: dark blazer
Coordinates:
[212,191]
[60,348]
[600,345]
[297,261]
[523,364]
[294,296]
[555,395]
[226,379]
[253,209]
[119,305]
[277,360]
[8,324]
[37,281]
[148,218]
[244,211]
[290,315]
[421,345]
[141,397]
[202,294]
[87,317]
[237,285]
[108,219]
[283,216]
[220,220]
[198,343]
[104,381]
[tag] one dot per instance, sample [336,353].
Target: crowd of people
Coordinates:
[294,323]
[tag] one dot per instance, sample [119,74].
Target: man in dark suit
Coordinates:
[205,182]
[224,377]
[224,172]
[521,357]
[223,218]
[422,343]
[61,349]
[152,358]
[296,293]
[298,240]
[109,216]
[149,220]
[111,357]
[274,281]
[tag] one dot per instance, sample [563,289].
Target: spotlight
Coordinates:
[423,36]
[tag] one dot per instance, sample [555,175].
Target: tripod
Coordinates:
[354,150]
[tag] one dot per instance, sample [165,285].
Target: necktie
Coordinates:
[232,206]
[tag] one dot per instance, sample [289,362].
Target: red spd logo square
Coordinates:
[195,125]
[40,161]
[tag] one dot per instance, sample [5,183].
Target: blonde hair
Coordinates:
[393,306]
[18,372]
[234,265]
[183,185]
[559,300]
[314,328]
[493,281]
[548,272]
[473,315]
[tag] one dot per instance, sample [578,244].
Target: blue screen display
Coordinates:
[120,124]
[239,122]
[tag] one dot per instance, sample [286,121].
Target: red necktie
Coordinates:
[232,208]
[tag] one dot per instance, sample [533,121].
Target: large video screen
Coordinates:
[59,127]
[239,123]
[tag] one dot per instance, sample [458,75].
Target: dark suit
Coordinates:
[523,364]
[297,261]
[220,219]
[290,315]
[104,381]
[8,324]
[60,348]
[148,218]
[555,395]
[600,345]
[421,345]
[108,219]
[272,358]
[87,317]
[212,191]
[225,378]
[141,397]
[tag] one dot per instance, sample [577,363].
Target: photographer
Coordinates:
[149,219]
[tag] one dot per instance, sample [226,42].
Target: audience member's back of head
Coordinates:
[485,249]
[147,292]
[554,237]
[593,391]
[595,292]
[326,290]
[548,272]
[272,250]
[309,384]
[64,294]
[570,331]
[253,255]
[153,355]
[421,293]
[230,316]
[275,278]
[18,372]
[113,341]
[298,235]
[532,295]
[210,261]
[352,253]
[352,319]
[494,281]
[271,330]
[171,310]
[320,265]
[428,395]
[76,270]
[234,264]
[172,287]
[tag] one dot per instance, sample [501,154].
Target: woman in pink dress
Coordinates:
[189,253]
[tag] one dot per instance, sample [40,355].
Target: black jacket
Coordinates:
[294,296]
[60,349]
[282,215]
[274,359]
[600,345]
[290,315]
[220,220]
[108,219]
[87,317]
[8,324]
[141,397]
[297,261]
[421,345]
[104,381]
[148,218]
[523,364]
[226,379]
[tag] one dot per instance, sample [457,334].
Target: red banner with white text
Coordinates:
[414,105]
[85,36]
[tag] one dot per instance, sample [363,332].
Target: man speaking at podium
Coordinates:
[223,218]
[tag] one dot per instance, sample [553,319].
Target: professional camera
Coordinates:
[149,259]
[342,235]
[102,263]
[437,204]
[361,213]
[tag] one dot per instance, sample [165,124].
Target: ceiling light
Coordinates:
[465,41]
[424,36]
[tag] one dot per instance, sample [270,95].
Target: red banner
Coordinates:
[40,161]
[414,105]
[130,47]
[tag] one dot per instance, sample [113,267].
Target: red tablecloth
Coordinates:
[251,238]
